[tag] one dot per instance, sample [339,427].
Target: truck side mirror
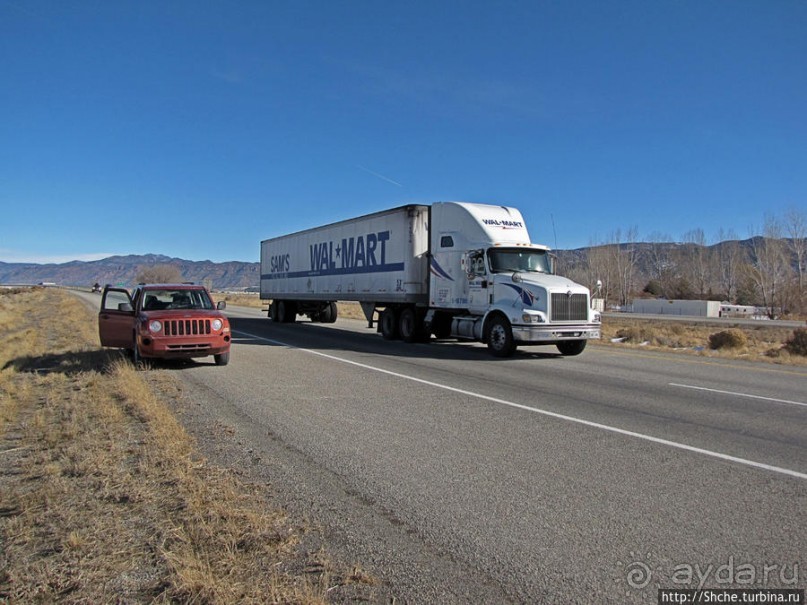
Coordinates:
[127,307]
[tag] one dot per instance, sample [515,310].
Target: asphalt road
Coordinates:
[453,476]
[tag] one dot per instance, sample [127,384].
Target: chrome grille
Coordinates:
[186,327]
[569,308]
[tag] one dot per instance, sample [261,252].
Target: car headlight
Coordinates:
[216,324]
[155,326]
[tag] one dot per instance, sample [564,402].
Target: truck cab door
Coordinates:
[116,319]
[478,299]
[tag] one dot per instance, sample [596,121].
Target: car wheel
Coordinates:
[222,359]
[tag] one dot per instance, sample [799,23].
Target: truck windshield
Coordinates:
[510,260]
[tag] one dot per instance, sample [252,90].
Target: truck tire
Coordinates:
[441,326]
[328,313]
[571,347]
[273,315]
[408,325]
[389,324]
[222,359]
[500,337]
[286,311]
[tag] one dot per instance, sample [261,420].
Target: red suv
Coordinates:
[164,321]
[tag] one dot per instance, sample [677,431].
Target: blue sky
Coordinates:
[197,129]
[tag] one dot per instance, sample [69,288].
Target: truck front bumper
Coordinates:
[550,334]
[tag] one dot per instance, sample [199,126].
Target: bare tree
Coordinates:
[769,267]
[695,265]
[159,274]
[597,270]
[660,261]
[796,229]
[729,259]
[623,260]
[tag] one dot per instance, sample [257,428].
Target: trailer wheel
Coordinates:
[273,314]
[571,347]
[328,314]
[408,325]
[389,324]
[500,337]
[286,311]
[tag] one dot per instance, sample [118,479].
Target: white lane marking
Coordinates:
[771,399]
[596,425]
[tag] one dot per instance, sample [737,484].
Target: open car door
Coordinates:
[116,320]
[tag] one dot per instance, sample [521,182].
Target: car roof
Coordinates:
[171,286]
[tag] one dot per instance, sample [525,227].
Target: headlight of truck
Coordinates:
[533,318]
[216,324]
[597,317]
[155,326]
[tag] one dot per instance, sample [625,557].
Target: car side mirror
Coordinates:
[222,304]
[125,307]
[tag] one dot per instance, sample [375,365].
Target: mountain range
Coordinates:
[236,275]
[124,270]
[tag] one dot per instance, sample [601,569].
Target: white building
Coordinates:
[692,308]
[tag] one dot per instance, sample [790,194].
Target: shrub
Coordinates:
[797,344]
[636,334]
[728,339]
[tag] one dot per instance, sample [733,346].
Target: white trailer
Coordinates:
[378,260]
[452,269]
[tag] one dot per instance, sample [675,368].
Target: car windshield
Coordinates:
[510,260]
[175,298]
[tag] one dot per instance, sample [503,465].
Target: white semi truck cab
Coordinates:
[489,282]
[452,269]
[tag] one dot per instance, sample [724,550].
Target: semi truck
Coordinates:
[449,270]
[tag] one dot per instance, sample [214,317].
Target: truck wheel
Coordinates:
[500,337]
[273,314]
[389,324]
[408,325]
[222,359]
[334,312]
[286,312]
[571,347]
[328,313]
[441,326]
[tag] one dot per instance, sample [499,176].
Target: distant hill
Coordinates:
[240,275]
[124,270]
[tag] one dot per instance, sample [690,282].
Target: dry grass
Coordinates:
[757,343]
[103,497]
[242,299]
